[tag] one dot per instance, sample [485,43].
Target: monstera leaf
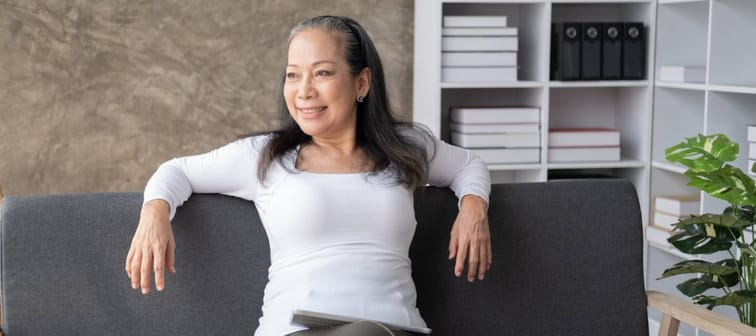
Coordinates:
[735,299]
[707,233]
[703,153]
[712,275]
[706,158]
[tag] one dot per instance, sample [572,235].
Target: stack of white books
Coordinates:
[499,135]
[584,145]
[478,49]
[751,149]
[668,210]
[682,74]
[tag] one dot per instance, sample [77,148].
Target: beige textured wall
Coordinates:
[94,95]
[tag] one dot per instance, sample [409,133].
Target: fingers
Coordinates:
[473,259]
[159,268]
[146,271]
[453,244]
[129,258]
[462,245]
[170,257]
[483,261]
[135,266]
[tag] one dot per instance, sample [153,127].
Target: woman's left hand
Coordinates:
[471,239]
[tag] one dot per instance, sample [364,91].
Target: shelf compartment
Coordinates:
[681,86]
[682,35]
[531,21]
[524,174]
[669,167]
[626,109]
[733,23]
[489,97]
[678,114]
[730,113]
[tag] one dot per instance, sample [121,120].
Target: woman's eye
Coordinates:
[322,73]
[291,75]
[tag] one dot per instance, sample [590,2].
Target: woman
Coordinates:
[333,188]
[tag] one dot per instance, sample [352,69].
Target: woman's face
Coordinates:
[320,90]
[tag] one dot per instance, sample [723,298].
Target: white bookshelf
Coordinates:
[714,34]
[625,105]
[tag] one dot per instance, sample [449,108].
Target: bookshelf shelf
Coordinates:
[566,84]
[625,163]
[518,84]
[751,89]
[681,86]
[514,166]
[673,168]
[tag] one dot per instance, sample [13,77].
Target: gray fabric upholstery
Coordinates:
[568,261]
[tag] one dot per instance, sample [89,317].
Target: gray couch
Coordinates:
[568,259]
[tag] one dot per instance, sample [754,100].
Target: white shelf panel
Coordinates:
[599,1]
[492,1]
[598,84]
[625,163]
[682,86]
[518,84]
[665,2]
[530,166]
[672,168]
[733,89]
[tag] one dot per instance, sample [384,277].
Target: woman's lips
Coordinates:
[311,112]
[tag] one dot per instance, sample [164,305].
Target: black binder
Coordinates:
[590,51]
[611,46]
[555,57]
[633,51]
[569,49]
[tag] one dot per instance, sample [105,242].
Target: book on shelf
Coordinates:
[583,137]
[479,43]
[508,155]
[475,21]
[479,74]
[478,59]
[479,31]
[666,221]
[678,205]
[682,74]
[492,140]
[494,128]
[583,154]
[501,114]
[752,133]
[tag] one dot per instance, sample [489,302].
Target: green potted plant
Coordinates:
[706,158]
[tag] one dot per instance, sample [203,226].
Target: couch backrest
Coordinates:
[567,261]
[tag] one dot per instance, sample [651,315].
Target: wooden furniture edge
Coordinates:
[675,310]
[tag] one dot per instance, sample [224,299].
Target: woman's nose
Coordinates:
[306,90]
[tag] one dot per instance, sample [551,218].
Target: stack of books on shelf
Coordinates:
[584,144]
[499,135]
[668,210]
[751,149]
[682,74]
[478,49]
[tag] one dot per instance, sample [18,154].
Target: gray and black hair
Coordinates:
[383,138]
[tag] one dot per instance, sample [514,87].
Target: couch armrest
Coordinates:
[675,310]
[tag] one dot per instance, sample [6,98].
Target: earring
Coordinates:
[360,99]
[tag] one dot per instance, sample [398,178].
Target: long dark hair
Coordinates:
[383,138]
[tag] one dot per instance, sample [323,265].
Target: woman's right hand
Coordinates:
[153,247]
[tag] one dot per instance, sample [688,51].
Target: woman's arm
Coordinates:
[468,176]
[230,170]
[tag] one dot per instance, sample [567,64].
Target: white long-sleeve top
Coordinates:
[339,243]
